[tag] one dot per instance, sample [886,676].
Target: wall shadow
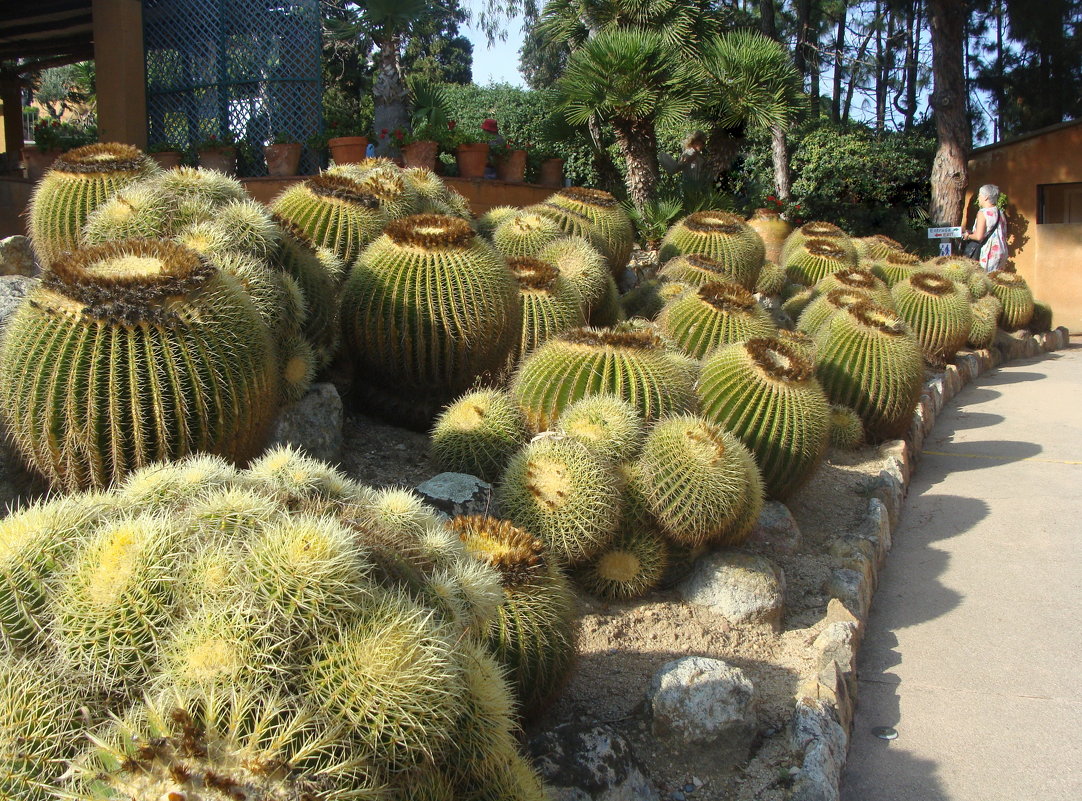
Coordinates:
[964,420]
[1016,376]
[937,463]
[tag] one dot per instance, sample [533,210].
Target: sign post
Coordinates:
[946,232]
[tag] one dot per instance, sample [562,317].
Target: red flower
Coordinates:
[398,133]
[451,125]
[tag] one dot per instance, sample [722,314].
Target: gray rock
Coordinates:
[586,762]
[13,290]
[817,735]
[742,587]
[849,587]
[628,280]
[891,491]
[837,644]
[701,702]
[776,530]
[313,424]
[458,494]
[17,257]
[877,528]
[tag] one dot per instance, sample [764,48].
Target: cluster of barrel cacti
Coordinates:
[280,632]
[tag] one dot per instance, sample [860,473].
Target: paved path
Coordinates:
[973,651]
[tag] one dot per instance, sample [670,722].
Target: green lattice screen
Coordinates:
[246,68]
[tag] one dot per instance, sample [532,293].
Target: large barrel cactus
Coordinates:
[583,265]
[334,212]
[985,321]
[525,233]
[859,280]
[814,259]
[427,308]
[1014,293]
[721,236]
[80,181]
[818,229]
[938,311]
[715,315]
[131,352]
[612,223]
[698,482]
[633,363]
[894,267]
[765,392]
[875,247]
[479,433]
[823,307]
[868,359]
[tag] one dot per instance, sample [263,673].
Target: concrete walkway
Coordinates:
[973,650]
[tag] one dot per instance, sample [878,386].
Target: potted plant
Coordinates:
[346,144]
[218,153]
[470,149]
[510,159]
[283,155]
[428,124]
[551,172]
[51,138]
[167,154]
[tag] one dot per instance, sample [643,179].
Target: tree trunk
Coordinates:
[854,74]
[638,144]
[912,53]
[767,23]
[880,71]
[779,153]
[839,52]
[948,101]
[806,54]
[388,95]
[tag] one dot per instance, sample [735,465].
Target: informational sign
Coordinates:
[944,248]
[949,232]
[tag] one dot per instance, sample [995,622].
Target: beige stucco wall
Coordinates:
[1049,257]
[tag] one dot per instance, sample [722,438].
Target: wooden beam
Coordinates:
[121,72]
[61,25]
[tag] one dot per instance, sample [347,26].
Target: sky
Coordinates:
[498,63]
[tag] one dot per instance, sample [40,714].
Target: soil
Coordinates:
[622,645]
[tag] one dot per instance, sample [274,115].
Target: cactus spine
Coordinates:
[133,352]
[334,212]
[634,364]
[714,316]
[819,311]
[814,259]
[612,223]
[857,280]
[80,181]
[548,304]
[607,425]
[721,236]
[764,391]
[525,234]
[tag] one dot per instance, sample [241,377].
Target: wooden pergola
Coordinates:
[35,34]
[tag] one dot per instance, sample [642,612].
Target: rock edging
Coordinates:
[823,718]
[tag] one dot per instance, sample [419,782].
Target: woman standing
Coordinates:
[990,229]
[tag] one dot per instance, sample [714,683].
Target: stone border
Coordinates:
[823,718]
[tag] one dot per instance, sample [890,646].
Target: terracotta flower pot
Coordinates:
[347,149]
[773,230]
[512,167]
[38,161]
[222,159]
[551,172]
[420,154]
[283,159]
[168,159]
[472,159]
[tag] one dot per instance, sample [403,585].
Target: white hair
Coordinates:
[989,192]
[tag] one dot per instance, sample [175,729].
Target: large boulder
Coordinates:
[589,762]
[313,424]
[744,588]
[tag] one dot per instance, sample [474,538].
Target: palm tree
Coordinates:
[387,23]
[751,84]
[631,79]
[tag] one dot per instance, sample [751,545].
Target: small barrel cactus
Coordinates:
[525,234]
[868,359]
[985,313]
[583,265]
[490,220]
[859,280]
[875,247]
[715,315]
[479,433]
[632,363]
[823,307]
[771,280]
[721,236]
[1041,321]
[629,567]
[846,428]
[549,304]
[649,298]
[937,309]
[606,424]
[765,392]
[136,351]
[561,491]
[1013,292]
[80,181]
[894,267]
[334,212]
[698,482]
[427,308]
[533,636]
[609,218]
